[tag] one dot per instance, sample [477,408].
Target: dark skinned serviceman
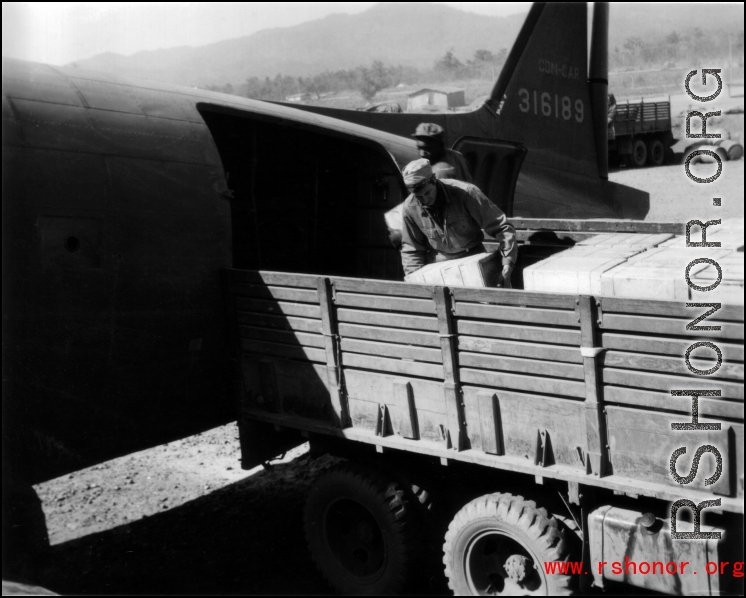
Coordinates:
[448,216]
[446,163]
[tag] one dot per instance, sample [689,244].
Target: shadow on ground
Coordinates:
[246,538]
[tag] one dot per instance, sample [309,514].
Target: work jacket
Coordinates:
[466,211]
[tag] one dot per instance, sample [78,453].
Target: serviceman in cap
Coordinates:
[448,216]
[446,163]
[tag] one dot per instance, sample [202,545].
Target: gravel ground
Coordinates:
[676,198]
[183,518]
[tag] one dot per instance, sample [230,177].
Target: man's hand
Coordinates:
[504,280]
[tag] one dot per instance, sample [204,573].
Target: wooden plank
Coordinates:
[303,389]
[708,406]
[396,366]
[431,426]
[282,279]
[363,414]
[280,322]
[260,383]
[522,415]
[550,386]
[526,350]
[670,326]
[382,287]
[671,365]
[379,387]
[730,390]
[386,303]
[388,320]
[391,335]
[599,226]
[518,332]
[274,293]
[391,350]
[727,313]
[340,414]
[653,467]
[283,351]
[596,448]
[490,423]
[517,314]
[405,413]
[562,472]
[521,366]
[513,297]
[651,441]
[282,337]
[664,346]
[301,310]
[451,383]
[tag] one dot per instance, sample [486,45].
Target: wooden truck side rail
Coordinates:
[574,388]
[642,117]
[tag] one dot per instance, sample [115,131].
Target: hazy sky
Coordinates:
[61,32]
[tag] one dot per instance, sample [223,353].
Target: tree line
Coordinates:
[686,48]
[367,80]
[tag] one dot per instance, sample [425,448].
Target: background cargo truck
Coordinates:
[640,133]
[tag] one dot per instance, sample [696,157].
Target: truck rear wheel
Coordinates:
[639,153]
[498,544]
[362,531]
[656,152]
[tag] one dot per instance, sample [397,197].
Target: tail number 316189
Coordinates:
[548,104]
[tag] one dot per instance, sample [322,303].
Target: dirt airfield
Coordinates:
[183,518]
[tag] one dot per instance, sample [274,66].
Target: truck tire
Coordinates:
[639,153]
[498,544]
[432,502]
[363,533]
[656,152]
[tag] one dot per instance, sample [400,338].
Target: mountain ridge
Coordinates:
[407,34]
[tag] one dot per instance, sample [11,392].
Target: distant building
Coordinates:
[442,98]
[299,97]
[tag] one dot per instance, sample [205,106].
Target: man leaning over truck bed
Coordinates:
[448,216]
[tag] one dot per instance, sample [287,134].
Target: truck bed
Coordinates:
[642,117]
[558,386]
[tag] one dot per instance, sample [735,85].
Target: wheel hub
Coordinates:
[355,538]
[498,564]
[364,532]
[516,567]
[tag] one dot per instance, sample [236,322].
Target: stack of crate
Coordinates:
[646,266]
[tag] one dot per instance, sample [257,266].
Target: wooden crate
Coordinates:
[480,270]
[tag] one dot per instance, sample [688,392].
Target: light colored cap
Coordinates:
[428,130]
[416,171]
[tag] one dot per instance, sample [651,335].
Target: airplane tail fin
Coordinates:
[542,96]
[551,97]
